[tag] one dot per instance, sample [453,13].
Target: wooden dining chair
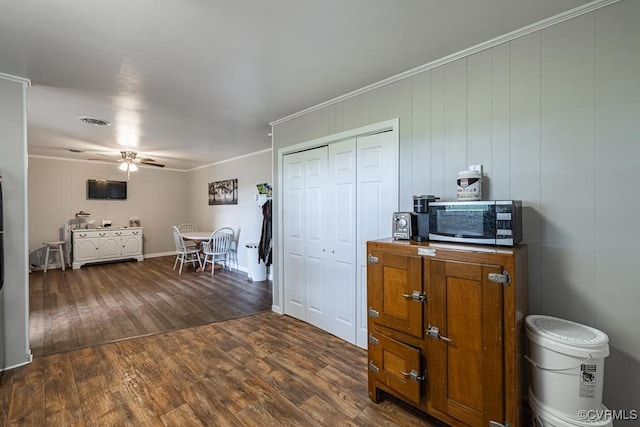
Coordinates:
[185,228]
[184,254]
[217,248]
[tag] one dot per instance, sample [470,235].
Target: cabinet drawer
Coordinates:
[396,365]
[78,235]
[131,232]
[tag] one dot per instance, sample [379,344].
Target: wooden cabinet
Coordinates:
[445,328]
[106,245]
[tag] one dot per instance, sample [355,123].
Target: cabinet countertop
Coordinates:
[106,228]
[412,244]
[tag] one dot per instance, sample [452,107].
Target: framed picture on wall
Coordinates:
[223,192]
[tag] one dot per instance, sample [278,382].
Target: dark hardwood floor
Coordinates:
[110,302]
[260,369]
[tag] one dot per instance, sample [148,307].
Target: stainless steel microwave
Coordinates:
[490,222]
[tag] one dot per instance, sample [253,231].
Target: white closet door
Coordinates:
[340,285]
[377,195]
[303,175]
[336,198]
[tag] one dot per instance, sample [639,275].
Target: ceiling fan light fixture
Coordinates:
[133,167]
[93,121]
[123,167]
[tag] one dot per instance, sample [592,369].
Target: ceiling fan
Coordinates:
[129,162]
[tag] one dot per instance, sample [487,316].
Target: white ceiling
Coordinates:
[190,83]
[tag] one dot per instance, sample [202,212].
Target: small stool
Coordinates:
[54,246]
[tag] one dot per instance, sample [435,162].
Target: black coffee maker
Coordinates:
[421,208]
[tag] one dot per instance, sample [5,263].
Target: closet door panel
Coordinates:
[293,189]
[303,176]
[341,239]
[315,178]
[377,199]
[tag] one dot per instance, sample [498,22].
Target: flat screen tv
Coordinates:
[101,189]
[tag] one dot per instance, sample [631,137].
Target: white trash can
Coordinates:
[566,364]
[544,416]
[256,270]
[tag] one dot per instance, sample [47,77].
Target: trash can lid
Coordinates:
[565,331]
[252,245]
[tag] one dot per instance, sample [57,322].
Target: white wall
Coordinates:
[13,168]
[553,117]
[246,216]
[58,189]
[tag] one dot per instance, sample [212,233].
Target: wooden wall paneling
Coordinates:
[525,150]
[617,100]
[479,109]
[455,105]
[567,174]
[617,152]
[282,137]
[365,108]
[399,96]
[335,118]
[436,169]
[500,167]
[352,113]
[308,126]
[420,135]
[378,105]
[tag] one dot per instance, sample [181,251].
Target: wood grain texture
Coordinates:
[263,369]
[260,369]
[110,302]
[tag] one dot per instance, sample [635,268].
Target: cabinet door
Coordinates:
[110,247]
[395,364]
[85,249]
[131,244]
[395,291]
[465,366]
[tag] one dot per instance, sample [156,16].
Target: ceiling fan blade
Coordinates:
[105,160]
[109,156]
[142,162]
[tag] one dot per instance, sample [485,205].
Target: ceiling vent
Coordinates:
[94,122]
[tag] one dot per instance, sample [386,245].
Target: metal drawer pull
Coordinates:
[414,375]
[373,368]
[372,259]
[503,278]
[416,296]
[434,332]
[373,340]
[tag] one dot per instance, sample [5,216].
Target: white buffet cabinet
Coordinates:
[106,244]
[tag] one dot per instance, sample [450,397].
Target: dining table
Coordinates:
[199,237]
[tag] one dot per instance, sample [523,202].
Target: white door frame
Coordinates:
[392,126]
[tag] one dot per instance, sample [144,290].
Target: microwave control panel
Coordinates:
[508,223]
